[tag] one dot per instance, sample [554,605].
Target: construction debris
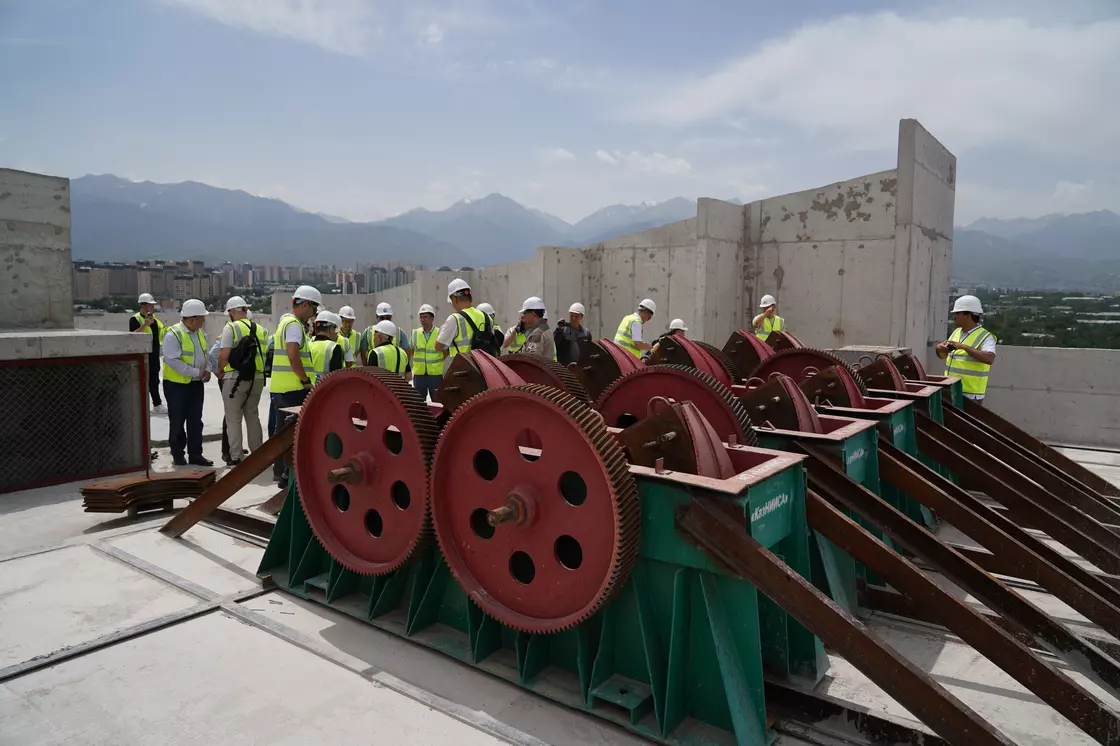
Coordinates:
[147,492]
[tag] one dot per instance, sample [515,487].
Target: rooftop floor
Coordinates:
[112,633]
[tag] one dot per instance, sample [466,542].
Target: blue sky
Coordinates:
[367,108]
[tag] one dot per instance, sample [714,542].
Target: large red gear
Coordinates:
[536,369]
[539,539]
[746,350]
[600,363]
[680,350]
[626,400]
[363,445]
[800,363]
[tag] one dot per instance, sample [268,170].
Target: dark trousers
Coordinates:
[153,378]
[287,399]
[427,385]
[184,417]
[225,441]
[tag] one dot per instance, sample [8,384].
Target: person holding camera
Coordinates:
[535,328]
[145,322]
[570,335]
[970,350]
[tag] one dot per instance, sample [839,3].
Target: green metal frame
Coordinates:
[677,656]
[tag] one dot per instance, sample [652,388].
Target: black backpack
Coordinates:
[482,339]
[243,357]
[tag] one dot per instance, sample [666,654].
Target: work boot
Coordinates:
[178,461]
[201,461]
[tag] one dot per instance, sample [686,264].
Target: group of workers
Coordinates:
[311,341]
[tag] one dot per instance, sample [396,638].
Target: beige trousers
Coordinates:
[244,404]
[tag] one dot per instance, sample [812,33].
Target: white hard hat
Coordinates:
[347,312]
[326,317]
[236,302]
[968,304]
[533,303]
[678,324]
[426,309]
[193,307]
[146,298]
[386,327]
[648,305]
[486,308]
[577,308]
[767,301]
[457,285]
[384,309]
[306,292]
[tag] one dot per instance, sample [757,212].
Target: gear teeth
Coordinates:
[563,378]
[747,436]
[816,358]
[623,493]
[423,425]
[723,359]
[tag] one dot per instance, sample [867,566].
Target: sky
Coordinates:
[368,108]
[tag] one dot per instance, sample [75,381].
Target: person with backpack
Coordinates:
[499,335]
[327,352]
[241,377]
[386,352]
[467,328]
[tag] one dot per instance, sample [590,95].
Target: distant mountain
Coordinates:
[557,224]
[1060,252]
[618,220]
[113,219]
[1011,227]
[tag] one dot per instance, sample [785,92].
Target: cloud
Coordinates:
[432,34]
[978,200]
[974,82]
[658,163]
[552,156]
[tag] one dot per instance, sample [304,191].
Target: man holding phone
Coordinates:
[970,350]
[145,322]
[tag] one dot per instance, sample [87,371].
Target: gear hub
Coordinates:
[540,538]
[363,445]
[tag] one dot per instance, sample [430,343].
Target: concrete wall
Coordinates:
[1059,395]
[35,278]
[118,322]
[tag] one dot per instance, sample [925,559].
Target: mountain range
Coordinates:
[114,219]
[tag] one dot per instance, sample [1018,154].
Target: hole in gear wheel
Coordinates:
[568,552]
[572,488]
[374,524]
[402,498]
[340,496]
[521,567]
[486,464]
[480,525]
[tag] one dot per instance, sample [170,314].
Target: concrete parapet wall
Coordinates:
[1063,395]
[35,278]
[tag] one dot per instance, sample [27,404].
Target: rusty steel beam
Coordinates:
[237,477]
[1020,495]
[826,478]
[1011,550]
[709,524]
[1100,508]
[1052,456]
[1050,685]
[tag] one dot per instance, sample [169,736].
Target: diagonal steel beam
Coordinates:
[828,480]
[1020,495]
[1101,508]
[237,477]
[1021,554]
[1050,685]
[1052,456]
[709,524]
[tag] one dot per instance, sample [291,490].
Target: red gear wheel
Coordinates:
[536,369]
[539,539]
[363,445]
[798,363]
[626,400]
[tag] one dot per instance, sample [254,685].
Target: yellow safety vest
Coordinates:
[623,338]
[972,372]
[367,339]
[391,357]
[157,327]
[775,324]
[518,341]
[322,350]
[283,378]
[426,359]
[241,329]
[187,353]
[353,342]
[462,341]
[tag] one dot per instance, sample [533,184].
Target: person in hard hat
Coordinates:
[970,350]
[327,352]
[570,335]
[466,327]
[427,362]
[349,337]
[144,321]
[629,334]
[291,362]
[241,398]
[769,320]
[499,335]
[538,338]
[676,329]
[185,370]
[384,313]
[387,353]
